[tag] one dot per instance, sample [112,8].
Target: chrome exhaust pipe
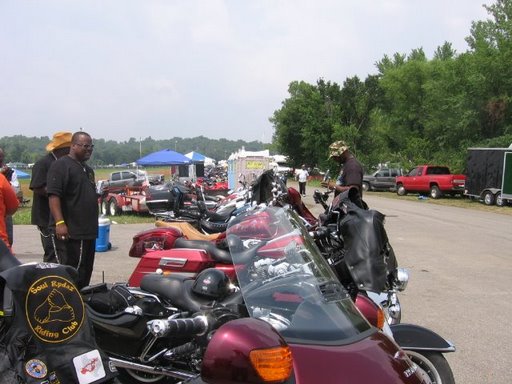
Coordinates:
[178,374]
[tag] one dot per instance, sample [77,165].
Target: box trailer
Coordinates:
[489,175]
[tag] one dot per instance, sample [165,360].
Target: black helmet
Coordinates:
[212,283]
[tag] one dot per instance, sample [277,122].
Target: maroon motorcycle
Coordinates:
[288,320]
[184,254]
[374,273]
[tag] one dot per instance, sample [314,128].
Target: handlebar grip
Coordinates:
[184,327]
[320,233]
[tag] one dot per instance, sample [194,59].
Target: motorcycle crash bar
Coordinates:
[195,326]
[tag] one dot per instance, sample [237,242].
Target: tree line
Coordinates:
[413,110]
[107,152]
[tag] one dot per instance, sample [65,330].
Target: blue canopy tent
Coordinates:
[21,174]
[163,157]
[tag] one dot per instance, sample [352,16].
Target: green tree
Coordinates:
[491,47]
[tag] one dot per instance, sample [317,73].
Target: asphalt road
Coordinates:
[460,264]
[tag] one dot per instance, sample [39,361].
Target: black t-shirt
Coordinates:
[74,183]
[352,174]
[40,208]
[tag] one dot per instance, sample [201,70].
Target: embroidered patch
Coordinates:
[54,309]
[36,368]
[89,367]
[53,379]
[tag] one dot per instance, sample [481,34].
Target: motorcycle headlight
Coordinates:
[402,278]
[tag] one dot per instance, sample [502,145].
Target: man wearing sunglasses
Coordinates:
[74,207]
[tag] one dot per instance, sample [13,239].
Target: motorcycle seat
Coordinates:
[188,230]
[177,289]
[219,255]
[223,216]
[213,226]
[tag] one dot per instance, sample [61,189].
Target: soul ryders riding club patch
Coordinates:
[54,309]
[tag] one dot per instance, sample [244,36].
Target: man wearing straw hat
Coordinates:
[74,207]
[57,147]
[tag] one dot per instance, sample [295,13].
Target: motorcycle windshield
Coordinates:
[285,281]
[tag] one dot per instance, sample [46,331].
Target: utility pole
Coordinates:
[140,151]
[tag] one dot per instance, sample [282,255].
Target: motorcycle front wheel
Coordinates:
[434,365]
[131,376]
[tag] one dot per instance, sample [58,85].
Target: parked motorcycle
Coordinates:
[45,333]
[355,243]
[205,217]
[353,239]
[178,327]
[174,236]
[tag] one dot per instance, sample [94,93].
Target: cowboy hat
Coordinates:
[337,148]
[59,140]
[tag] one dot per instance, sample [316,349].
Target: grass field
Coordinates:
[462,202]
[22,216]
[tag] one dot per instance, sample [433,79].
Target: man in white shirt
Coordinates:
[302,176]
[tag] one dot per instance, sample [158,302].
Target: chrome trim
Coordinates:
[402,279]
[451,348]
[172,262]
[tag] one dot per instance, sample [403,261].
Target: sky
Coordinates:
[121,69]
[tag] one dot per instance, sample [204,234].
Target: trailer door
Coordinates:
[506,190]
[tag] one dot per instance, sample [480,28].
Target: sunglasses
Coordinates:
[86,146]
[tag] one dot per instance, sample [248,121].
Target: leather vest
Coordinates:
[47,336]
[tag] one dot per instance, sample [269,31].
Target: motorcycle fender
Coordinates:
[414,337]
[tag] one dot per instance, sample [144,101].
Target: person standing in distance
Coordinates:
[351,174]
[302,176]
[57,147]
[74,207]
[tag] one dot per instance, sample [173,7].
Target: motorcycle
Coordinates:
[179,239]
[45,333]
[354,242]
[207,218]
[203,328]
[353,239]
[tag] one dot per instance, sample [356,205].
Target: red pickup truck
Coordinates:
[433,179]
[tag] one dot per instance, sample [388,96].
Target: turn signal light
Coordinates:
[381,318]
[274,364]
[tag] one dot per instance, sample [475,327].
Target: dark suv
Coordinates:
[381,180]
